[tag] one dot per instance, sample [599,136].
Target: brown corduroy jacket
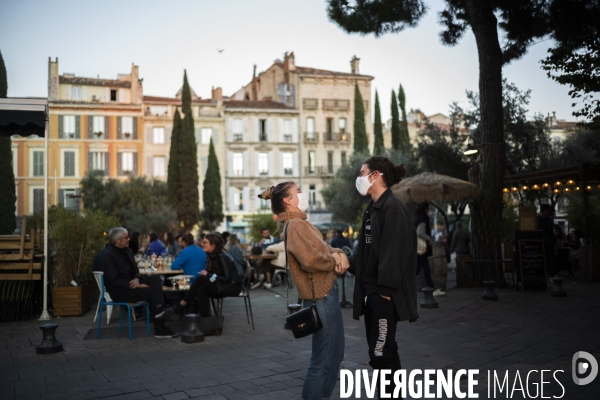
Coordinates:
[308,255]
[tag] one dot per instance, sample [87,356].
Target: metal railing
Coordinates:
[336,104]
[311,137]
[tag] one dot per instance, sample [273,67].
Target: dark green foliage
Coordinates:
[341,195]
[212,215]
[260,220]
[361,142]
[379,147]
[8,195]
[395,123]
[183,164]
[575,209]
[575,59]
[140,204]
[405,144]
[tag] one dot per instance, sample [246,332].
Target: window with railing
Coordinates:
[158,135]
[310,104]
[238,164]
[311,162]
[287,130]
[312,195]
[336,104]
[262,130]
[263,164]
[288,164]
[310,128]
[38,163]
[98,126]
[330,162]
[329,134]
[98,161]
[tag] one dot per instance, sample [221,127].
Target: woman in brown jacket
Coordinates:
[314,267]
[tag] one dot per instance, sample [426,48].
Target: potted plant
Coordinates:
[76,238]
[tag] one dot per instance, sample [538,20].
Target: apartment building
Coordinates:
[325,103]
[262,149]
[158,124]
[94,123]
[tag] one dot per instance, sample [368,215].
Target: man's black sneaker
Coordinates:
[163,312]
[164,332]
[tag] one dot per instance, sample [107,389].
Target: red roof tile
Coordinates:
[79,80]
[323,72]
[173,100]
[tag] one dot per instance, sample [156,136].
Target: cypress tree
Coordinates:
[174,161]
[7,178]
[212,215]
[379,148]
[405,144]
[188,202]
[395,123]
[361,142]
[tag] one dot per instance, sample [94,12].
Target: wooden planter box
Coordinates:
[72,300]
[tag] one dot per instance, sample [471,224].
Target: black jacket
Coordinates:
[227,275]
[394,250]
[119,268]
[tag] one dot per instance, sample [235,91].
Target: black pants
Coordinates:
[423,263]
[380,324]
[203,289]
[153,294]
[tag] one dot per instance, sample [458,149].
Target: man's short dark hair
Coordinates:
[545,207]
[339,231]
[225,235]
[188,239]
[264,229]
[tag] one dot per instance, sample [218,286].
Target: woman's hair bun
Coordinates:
[267,194]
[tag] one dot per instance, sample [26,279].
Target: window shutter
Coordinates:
[245,128]
[198,135]
[90,122]
[77,200]
[281,172]
[135,128]
[90,162]
[107,94]
[84,93]
[106,163]
[256,169]
[230,129]
[107,127]
[69,91]
[121,95]
[280,129]
[215,135]
[271,164]
[256,129]
[77,126]
[149,135]
[135,164]
[231,202]
[61,126]
[61,197]
[69,163]
[119,130]
[119,164]
[168,130]
[270,131]
[295,130]
[246,197]
[296,172]
[150,166]
[230,164]
[246,166]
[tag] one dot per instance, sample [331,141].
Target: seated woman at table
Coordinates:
[219,279]
[191,259]
[155,246]
[170,243]
[235,251]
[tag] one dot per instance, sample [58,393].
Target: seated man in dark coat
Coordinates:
[124,284]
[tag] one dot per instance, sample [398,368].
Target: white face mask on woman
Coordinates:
[363,184]
[302,202]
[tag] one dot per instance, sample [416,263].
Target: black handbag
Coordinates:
[306,321]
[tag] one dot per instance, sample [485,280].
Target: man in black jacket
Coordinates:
[385,263]
[123,281]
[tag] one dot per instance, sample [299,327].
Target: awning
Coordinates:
[23,116]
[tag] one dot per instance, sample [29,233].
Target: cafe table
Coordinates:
[148,271]
[256,257]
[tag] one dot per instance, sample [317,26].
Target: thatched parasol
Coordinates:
[431,187]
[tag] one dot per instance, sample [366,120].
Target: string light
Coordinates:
[546,186]
[506,190]
[524,188]
[556,191]
[570,182]
[535,187]
[588,187]
[577,189]
[567,190]
[515,189]
[558,183]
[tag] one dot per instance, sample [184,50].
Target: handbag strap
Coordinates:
[287,274]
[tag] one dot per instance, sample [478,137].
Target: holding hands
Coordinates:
[342,263]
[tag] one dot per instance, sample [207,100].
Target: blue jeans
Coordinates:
[327,348]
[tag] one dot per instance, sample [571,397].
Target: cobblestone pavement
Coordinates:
[518,333]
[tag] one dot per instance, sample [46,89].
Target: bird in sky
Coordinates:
[220,50]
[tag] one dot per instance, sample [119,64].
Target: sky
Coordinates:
[103,38]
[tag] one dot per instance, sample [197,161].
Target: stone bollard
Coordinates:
[192,333]
[489,293]
[429,302]
[49,343]
[557,290]
[293,309]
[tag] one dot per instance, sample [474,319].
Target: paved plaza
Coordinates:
[518,333]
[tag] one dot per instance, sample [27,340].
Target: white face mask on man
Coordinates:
[302,202]
[363,184]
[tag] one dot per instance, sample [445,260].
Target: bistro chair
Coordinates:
[128,306]
[109,309]
[217,302]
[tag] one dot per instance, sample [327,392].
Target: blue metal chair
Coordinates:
[123,306]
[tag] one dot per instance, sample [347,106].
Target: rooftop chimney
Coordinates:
[52,79]
[354,65]
[217,94]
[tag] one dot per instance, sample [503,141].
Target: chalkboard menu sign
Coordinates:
[533,265]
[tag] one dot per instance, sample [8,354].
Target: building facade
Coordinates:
[93,124]
[262,149]
[325,102]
